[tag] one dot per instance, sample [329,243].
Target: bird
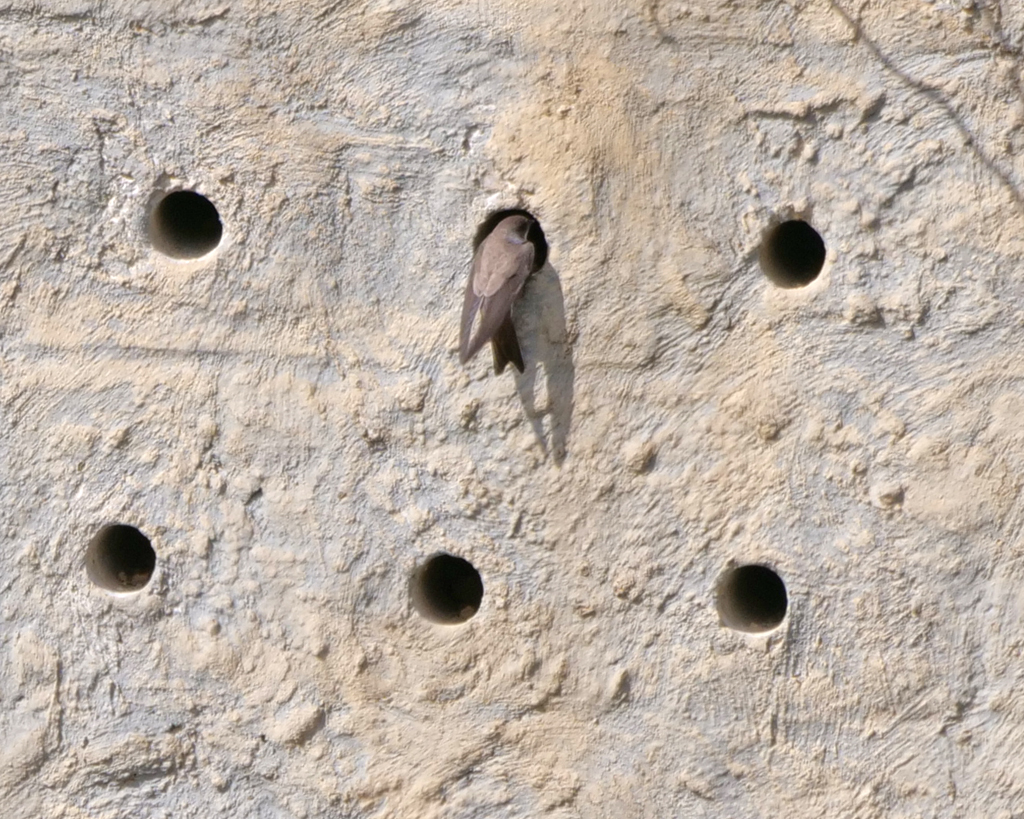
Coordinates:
[502,263]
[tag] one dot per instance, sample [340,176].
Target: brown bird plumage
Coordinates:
[501,266]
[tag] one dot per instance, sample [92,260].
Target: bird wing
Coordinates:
[499,271]
[498,262]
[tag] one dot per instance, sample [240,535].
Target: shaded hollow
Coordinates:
[792,254]
[120,559]
[752,599]
[185,225]
[446,589]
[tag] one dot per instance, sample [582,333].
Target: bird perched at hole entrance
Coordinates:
[502,264]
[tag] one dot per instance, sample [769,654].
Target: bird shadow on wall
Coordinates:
[546,387]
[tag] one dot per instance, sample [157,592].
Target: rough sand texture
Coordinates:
[287,421]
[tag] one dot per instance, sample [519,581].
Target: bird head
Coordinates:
[516,228]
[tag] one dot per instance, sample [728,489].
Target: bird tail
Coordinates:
[505,346]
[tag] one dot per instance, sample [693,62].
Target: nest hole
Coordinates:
[120,559]
[447,590]
[185,225]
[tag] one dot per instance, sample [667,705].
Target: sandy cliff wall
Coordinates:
[284,423]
